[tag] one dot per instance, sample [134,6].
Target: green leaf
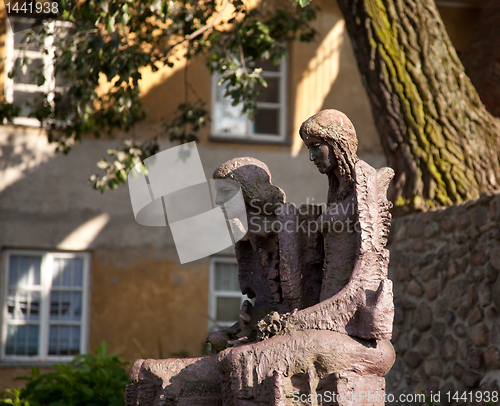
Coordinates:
[110,25]
[104,5]
[122,175]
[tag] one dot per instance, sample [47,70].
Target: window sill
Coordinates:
[23,122]
[29,364]
[285,142]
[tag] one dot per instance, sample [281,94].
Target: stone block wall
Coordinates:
[444,266]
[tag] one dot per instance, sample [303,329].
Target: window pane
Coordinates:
[54,305]
[226,276]
[229,119]
[13,267]
[78,277]
[37,269]
[14,333]
[75,340]
[220,91]
[34,310]
[20,37]
[23,305]
[59,340]
[33,340]
[67,272]
[27,73]
[20,26]
[266,122]
[267,65]
[65,306]
[64,340]
[61,275]
[269,94]
[26,101]
[76,306]
[228,308]
[62,81]
[23,271]
[11,303]
[56,271]
[36,265]
[64,332]
[22,340]
[53,340]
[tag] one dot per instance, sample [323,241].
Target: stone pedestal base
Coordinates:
[313,368]
[174,382]
[360,391]
[337,390]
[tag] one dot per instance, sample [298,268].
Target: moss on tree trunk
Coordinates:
[436,133]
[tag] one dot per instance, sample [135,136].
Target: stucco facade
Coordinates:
[142,301]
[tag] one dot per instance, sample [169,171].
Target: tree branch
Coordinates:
[202,29]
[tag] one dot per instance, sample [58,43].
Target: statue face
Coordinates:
[226,189]
[321,154]
[230,198]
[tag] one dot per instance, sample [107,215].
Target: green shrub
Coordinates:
[88,380]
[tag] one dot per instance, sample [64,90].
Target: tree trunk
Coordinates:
[436,133]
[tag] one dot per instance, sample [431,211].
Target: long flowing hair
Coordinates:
[333,127]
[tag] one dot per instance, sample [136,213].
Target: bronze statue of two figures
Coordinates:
[319,329]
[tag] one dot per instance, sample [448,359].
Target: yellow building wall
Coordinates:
[143,303]
[148,308]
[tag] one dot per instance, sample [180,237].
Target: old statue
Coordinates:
[322,317]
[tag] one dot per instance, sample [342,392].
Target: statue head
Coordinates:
[254,178]
[331,139]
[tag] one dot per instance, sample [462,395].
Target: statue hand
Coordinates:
[245,314]
[219,339]
[238,342]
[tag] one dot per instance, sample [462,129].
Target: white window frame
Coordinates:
[250,135]
[11,54]
[213,294]
[45,289]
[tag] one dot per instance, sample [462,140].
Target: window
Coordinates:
[225,297]
[22,89]
[228,122]
[45,299]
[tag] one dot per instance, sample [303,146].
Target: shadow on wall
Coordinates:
[163,91]
[317,77]
[47,203]
[328,77]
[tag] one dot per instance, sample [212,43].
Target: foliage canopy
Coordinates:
[102,49]
[97,380]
